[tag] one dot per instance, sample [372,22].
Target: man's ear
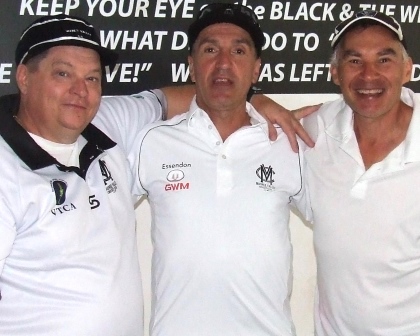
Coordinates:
[408,70]
[257,68]
[191,67]
[22,72]
[334,75]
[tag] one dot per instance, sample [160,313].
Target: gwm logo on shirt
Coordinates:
[265,176]
[175,176]
[60,188]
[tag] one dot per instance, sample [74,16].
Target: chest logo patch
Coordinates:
[265,177]
[111,185]
[60,188]
[175,175]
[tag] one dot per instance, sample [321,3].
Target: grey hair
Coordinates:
[335,58]
[33,63]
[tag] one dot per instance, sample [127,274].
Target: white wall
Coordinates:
[303,262]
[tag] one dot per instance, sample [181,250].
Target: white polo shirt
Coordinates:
[366,229]
[68,253]
[220,212]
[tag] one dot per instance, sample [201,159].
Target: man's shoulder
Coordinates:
[160,126]
[325,115]
[127,114]
[142,100]
[331,108]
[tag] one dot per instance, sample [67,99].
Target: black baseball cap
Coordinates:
[381,18]
[236,14]
[60,30]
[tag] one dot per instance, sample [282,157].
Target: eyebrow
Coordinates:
[388,51]
[66,63]
[245,41]
[383,52]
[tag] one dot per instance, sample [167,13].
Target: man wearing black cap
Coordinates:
[68,258]
[363,174]
[220,191]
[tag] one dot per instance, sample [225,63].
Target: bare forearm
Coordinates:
[178,98]
[277,114]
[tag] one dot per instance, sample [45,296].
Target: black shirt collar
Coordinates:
[32,154]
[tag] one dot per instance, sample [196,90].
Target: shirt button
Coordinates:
[210,126]
[223,156]
[218,143]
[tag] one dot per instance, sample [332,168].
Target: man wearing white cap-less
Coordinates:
[364,177]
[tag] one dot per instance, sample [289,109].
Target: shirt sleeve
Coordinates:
[310,124]
[7,233]
[146,149]
[123,117]
[136,162]
[301,201]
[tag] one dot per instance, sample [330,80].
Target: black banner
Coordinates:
[150,36]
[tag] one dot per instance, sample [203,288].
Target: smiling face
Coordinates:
[224,65]
[370,70]
[60,94]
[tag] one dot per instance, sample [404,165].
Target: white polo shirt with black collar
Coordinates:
[220,213]
[68,253]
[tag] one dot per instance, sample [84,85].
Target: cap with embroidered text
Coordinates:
[381,18]
[60,30]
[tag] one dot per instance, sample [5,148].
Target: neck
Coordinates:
[26,122]
[228,122]
[377,137]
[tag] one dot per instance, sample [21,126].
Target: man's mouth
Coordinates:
[370,91]
[222,81]
[76,106]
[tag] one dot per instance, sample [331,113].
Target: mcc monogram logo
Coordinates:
[265,176]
